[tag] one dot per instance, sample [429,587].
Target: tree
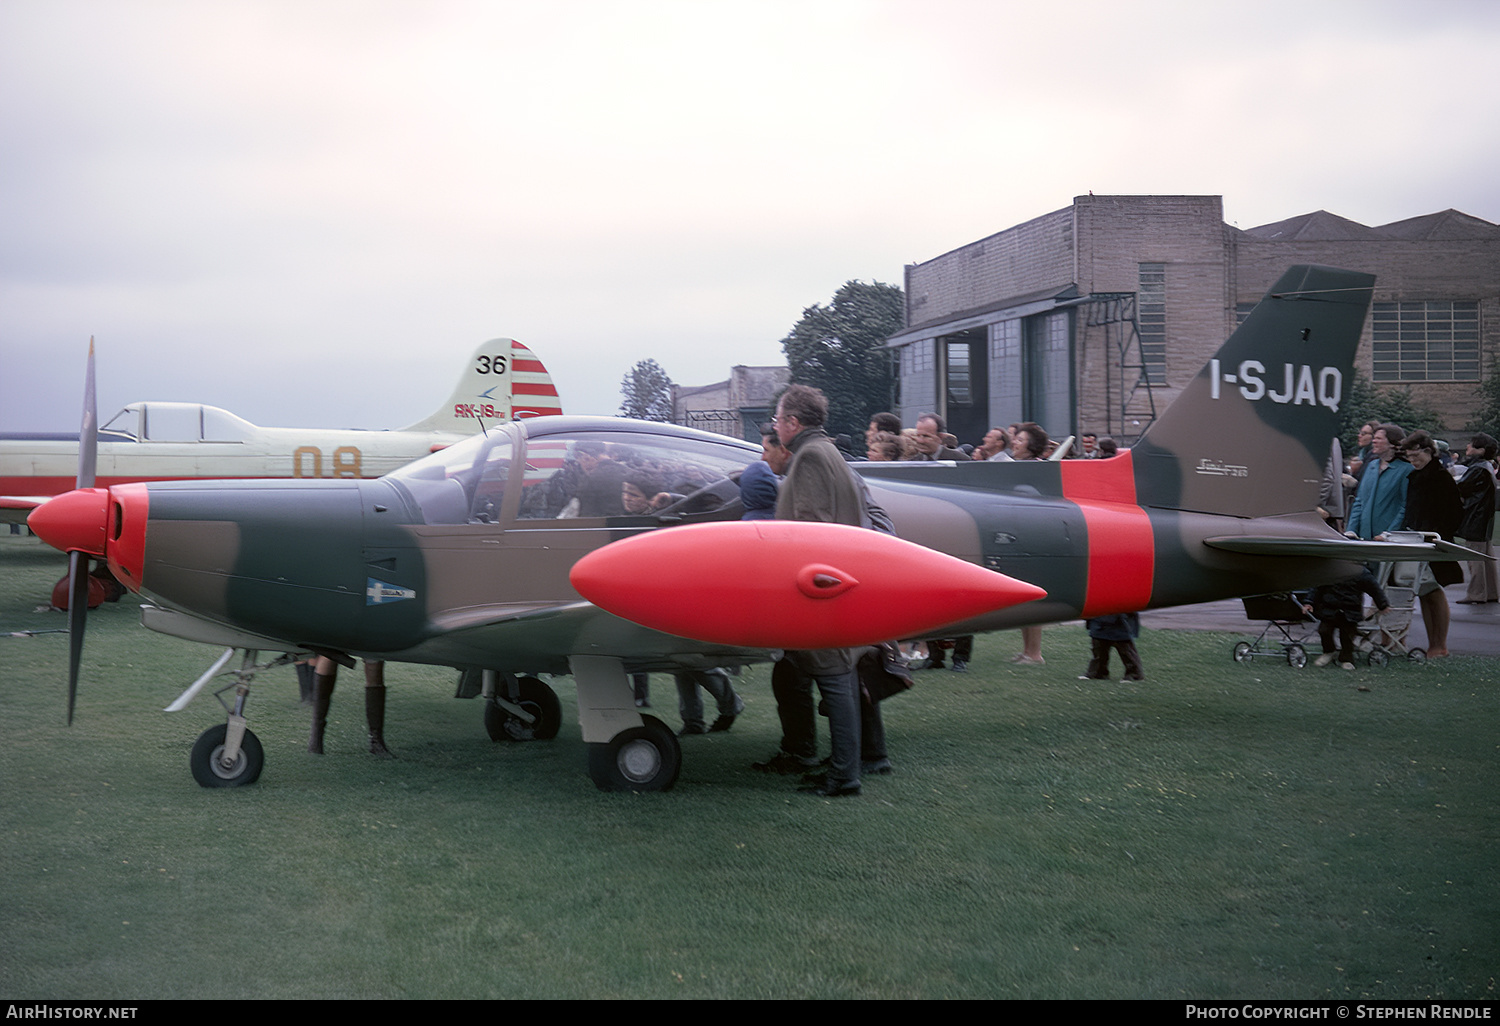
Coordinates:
[1365,400]
[840,349]
[647,392]
[1487,415]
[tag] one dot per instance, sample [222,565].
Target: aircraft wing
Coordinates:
[15,508]
[1438,551]
[540,636]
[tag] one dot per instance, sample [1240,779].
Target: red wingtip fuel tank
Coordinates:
[788,584]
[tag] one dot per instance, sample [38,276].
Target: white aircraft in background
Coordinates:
[173,441]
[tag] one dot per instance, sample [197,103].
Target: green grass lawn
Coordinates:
[1222,830]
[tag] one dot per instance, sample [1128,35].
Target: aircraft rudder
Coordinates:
[1250,434]
[503,380]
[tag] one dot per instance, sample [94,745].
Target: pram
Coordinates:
[1284,616]
[1385,635]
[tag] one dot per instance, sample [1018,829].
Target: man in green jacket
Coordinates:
[819,487]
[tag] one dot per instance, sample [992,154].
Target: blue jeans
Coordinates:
[690,701]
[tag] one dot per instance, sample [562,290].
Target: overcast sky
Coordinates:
[311,212]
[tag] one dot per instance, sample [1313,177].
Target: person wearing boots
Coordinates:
[325,675]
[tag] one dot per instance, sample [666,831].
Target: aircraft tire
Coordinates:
[644,758]
[536,698]
[207,770]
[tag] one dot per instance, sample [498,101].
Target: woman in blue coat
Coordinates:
[1380,501]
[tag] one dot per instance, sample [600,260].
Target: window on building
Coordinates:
[1151,313]
[960,388]
[918,379]
[1048,369]
[1433,340]
[1005,372]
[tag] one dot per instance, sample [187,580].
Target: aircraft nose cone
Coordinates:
[74,521]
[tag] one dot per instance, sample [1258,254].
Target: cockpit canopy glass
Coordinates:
[576,475]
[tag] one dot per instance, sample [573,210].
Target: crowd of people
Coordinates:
[1400,481]
[887,441]
[928,439]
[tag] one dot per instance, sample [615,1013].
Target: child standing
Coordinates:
[1342,606]
[1117,631]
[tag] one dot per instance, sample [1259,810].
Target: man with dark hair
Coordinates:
[819,487]
[929,440]
[887,422]
[603,476]
[1477,489]
[1088,446]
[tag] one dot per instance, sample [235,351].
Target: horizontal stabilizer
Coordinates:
[1437,551]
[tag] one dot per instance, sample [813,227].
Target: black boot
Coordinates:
[322,696]
[375,719]
[306,682]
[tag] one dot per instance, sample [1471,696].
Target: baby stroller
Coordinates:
[1386,634]
[1284,616]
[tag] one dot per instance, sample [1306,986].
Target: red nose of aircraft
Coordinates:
[75,521]
[789,585]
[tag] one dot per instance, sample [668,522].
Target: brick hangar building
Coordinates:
[1095,316]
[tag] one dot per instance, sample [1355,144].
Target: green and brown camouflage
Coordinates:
[462,559]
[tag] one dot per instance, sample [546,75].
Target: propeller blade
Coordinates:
[78,562]
[78,608]
[88,432]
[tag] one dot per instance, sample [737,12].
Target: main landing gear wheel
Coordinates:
[644,758]
[207,759]
[1296,656]
[1242,652]
[537,699]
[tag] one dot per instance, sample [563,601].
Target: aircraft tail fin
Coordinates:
[503,381]
[1250,435]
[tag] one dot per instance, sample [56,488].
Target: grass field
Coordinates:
[1220,831]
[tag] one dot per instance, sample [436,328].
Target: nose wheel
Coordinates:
[229,754]
[216,763]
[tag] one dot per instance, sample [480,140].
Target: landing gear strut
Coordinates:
[229,754]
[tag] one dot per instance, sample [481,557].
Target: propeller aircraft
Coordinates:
[168,441]
[507,552]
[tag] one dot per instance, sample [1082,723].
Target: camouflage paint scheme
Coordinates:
[404,568]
